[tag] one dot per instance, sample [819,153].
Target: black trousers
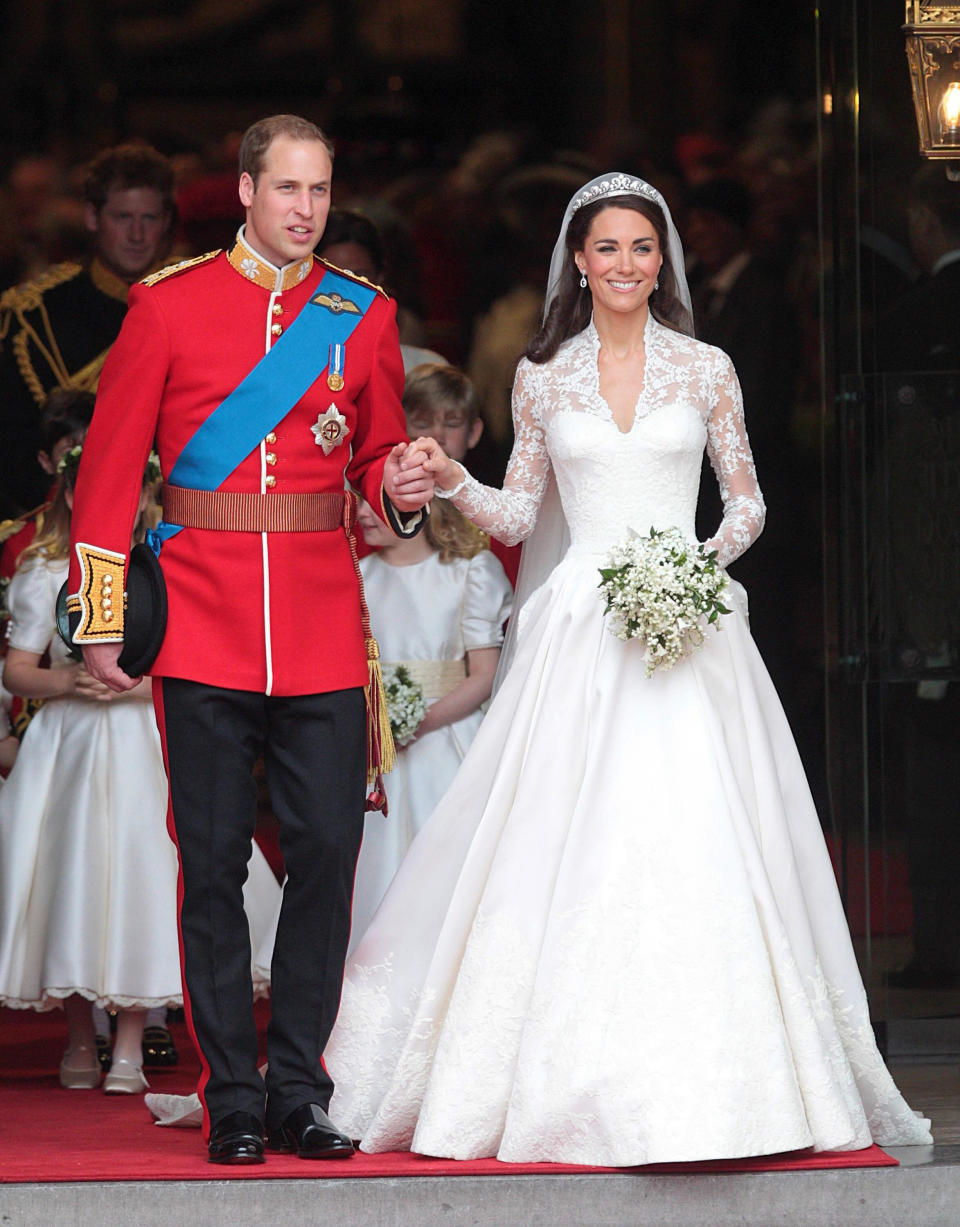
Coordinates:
[314,747]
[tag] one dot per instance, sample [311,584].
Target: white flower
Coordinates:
[250,267]
[405,703]
[304,268]
[664,591]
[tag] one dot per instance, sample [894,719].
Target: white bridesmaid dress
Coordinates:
[88,873]
[427,617]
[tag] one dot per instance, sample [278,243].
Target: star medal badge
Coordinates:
[330,430]
[335,368]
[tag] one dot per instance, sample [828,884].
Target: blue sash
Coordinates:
[265,397]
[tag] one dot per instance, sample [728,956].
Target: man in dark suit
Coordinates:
[921,331]
[56,331]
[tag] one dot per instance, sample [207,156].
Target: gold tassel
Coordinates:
[381,752]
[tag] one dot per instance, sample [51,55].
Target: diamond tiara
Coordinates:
[616,186]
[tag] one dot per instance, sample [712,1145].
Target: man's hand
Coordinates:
[428,456]
[409,487]
[100,660]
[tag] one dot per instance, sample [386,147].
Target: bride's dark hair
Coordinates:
[571,309]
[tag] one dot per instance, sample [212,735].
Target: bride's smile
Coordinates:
[620,259]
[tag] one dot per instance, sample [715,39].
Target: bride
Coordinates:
[618,940]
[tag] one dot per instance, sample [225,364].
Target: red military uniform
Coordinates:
[277,613]
[264,644]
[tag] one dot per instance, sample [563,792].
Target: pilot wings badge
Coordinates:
[336,303]
[330,430]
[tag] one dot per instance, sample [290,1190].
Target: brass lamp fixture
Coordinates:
[933,54]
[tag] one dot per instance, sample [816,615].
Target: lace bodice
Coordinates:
[611,481]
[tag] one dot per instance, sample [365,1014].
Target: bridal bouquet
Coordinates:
[405,702]
[664,591]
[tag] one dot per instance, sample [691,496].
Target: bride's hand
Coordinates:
[427,452]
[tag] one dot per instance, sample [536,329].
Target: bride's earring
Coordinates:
[656,284]
[583,280]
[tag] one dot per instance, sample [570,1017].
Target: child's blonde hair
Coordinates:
[53,530]
[451,534]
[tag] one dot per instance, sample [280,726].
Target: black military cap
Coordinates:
[144,618]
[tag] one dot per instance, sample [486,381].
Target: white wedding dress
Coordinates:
[618,940]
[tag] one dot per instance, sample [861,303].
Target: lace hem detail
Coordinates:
[53,998]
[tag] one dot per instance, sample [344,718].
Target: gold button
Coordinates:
[271,457]
[107,581]
[108,615]
[278,308]
[276,329]
[271,481]
[106,602]
[271,438]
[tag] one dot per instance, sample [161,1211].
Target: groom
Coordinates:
[266,377]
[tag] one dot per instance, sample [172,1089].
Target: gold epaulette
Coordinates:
[29,294]
[172,270]
[345,272]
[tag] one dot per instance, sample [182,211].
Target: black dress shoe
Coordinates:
[310,1133]
[238,1138]
[104,1054]
[158,1048]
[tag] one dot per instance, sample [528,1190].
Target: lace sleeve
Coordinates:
[510,514]
[729,450]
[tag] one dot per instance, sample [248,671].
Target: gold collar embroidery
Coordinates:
[107,282]
[253,266]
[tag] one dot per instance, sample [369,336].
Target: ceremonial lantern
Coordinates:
[933,54]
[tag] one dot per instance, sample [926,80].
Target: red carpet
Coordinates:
[49,1134]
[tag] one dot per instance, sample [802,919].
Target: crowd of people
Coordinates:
[546,906]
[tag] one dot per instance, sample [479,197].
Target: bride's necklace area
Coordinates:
[620,380]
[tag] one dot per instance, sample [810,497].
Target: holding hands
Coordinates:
[428,456]
[409,486]
[414,470]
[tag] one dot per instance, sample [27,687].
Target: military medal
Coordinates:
[330,430]
[335,365]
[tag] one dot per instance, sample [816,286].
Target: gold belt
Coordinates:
[228,511]
[435,677]
[224,511]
